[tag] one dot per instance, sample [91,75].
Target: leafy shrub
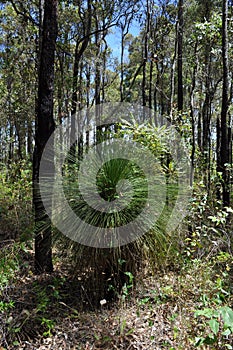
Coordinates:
[16,201]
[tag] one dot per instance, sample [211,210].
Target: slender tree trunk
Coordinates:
[172,81]
[199,131]
[192,113]
[11,144]
[150,97]
[103,85]
[80,94]
[124,32]
[224,141]
[88,87]
[122,63]
[29,140]
[77,57]
[1,142]
[97,80]
[218,133]
[180,55]
[19,137]
[206,108]
[44,128]
[145,55]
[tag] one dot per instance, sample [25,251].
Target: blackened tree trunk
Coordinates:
[44,128]
[180,56]
[98,78]
[206,108]
[224,140]
[172,79]
[192,117]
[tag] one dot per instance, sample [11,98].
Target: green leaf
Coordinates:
[227,315]
[226,333]
[16,343]
[207,312]
[130,332]
[130,275]
[17,329]
[214,326]
[213,218]
[210,339]
[199,341]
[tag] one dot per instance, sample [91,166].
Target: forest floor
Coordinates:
[161,312]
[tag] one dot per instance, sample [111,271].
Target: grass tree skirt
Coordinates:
[103,273]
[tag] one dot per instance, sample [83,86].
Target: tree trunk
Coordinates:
[44,128]
[150,98]
[192,116]
[77,57]
[172,80]
[97,80]
[180,56]
[224,141]
[29,139]
[145,57]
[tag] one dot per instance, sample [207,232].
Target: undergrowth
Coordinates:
[163,291]
[16,216]
[193,306]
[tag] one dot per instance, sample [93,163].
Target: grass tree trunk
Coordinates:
[44,128]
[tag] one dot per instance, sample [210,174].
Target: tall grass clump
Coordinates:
[104,271]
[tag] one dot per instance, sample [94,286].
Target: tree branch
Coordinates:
[23,14]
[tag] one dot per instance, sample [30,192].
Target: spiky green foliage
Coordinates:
[103,271]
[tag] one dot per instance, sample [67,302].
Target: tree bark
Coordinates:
[77,57]
[172,79]
[224,141]
[44,128]
[180,56]
[145,56]
[192,116]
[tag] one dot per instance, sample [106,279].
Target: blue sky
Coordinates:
[114,39]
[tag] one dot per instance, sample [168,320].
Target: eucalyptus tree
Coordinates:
[18,78]
[202,75]
[124,25]
[180,56]
[225,130]
[85,15]
[150,55]
[209,46]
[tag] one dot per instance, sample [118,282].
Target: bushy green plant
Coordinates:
[207,229]
[16,215]
[100,268]
[10,261]
[218,327]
